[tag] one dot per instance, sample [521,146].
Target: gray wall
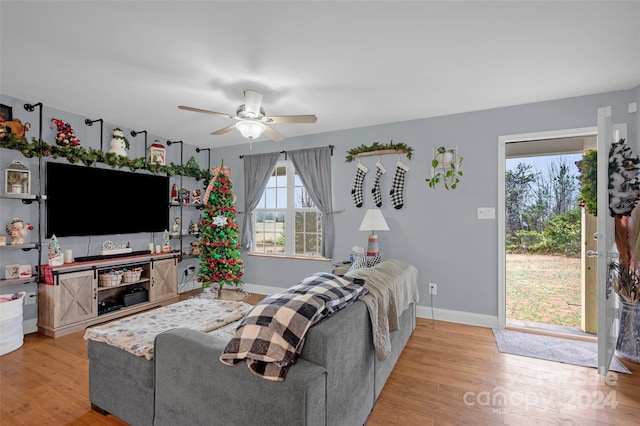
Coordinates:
[436,230]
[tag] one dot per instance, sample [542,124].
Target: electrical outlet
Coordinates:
[433,289]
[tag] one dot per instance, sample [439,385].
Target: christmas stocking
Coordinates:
[377,194]
[356,191]
[398,185]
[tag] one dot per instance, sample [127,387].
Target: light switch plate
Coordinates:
[486,213]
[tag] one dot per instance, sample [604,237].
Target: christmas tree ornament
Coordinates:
[220,220]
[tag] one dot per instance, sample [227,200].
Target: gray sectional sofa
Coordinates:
[335,381]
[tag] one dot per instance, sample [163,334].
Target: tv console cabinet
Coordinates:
[77,299]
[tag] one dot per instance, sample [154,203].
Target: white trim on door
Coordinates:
[502,141]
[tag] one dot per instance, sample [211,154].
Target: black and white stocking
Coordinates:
[377,193]
[356,191]
[398,185]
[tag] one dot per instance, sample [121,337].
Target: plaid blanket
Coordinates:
[272,334]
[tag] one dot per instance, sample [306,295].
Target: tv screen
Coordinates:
[84,201]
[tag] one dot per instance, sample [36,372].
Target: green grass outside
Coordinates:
[544,289]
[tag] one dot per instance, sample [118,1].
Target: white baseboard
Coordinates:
[29,326]
[460,317]
[261,289]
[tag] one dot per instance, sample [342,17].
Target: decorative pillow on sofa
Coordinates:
[359,262]
[372,261]
[337,292]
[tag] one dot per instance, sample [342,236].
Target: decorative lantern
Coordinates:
[156,154]
[17,179]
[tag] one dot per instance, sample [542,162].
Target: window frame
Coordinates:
[289,216]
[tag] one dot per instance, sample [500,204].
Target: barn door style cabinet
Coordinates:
[82,294]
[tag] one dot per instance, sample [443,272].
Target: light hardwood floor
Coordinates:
[449,374]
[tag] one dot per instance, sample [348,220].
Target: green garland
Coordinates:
[90,156]
[377,146]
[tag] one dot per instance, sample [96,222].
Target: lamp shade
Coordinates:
[250,129]
[374,221]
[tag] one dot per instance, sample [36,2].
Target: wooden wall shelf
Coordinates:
[380,152]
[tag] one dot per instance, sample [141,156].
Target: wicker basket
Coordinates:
[131,276]
[110,280]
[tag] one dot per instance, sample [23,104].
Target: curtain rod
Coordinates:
[285,152]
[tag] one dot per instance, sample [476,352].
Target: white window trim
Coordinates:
[290,211]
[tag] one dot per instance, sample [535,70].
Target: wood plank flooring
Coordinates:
[449,374]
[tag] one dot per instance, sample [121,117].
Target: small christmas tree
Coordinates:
[220,249]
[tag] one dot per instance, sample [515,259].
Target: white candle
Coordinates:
[68,256]
[158,249]
[151,247]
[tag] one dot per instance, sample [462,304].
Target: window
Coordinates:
[286,219]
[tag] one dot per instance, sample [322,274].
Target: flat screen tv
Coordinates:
[84,201]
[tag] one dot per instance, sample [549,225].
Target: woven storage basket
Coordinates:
[131,276]
[110,280]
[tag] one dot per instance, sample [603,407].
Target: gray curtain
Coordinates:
[313,165]
[257,171]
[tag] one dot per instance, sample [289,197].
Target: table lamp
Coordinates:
[373,221]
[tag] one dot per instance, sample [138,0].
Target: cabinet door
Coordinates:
[75,298]
[164,279]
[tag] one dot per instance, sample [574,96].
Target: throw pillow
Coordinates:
[360,262]
[372,261]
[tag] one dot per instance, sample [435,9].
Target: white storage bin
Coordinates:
[11,334]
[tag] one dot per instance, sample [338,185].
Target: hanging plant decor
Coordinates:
[445,168]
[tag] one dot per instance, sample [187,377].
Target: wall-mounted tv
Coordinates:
[83,201]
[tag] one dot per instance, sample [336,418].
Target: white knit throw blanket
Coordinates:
[392,286]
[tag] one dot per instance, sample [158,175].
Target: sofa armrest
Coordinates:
[194,387]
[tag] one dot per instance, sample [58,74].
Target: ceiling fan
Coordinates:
[252,121]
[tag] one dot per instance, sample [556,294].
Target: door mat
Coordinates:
[568,351]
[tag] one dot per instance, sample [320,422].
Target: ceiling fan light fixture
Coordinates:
[250,129]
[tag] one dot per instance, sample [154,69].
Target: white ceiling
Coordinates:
[352,64]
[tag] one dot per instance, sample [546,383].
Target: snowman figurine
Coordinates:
[119,143]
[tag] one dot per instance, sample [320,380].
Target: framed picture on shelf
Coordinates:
[6,112]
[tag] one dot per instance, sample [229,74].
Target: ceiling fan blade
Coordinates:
[224,130]
[252,102]
[205,111]
[276,136]
[284,119]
